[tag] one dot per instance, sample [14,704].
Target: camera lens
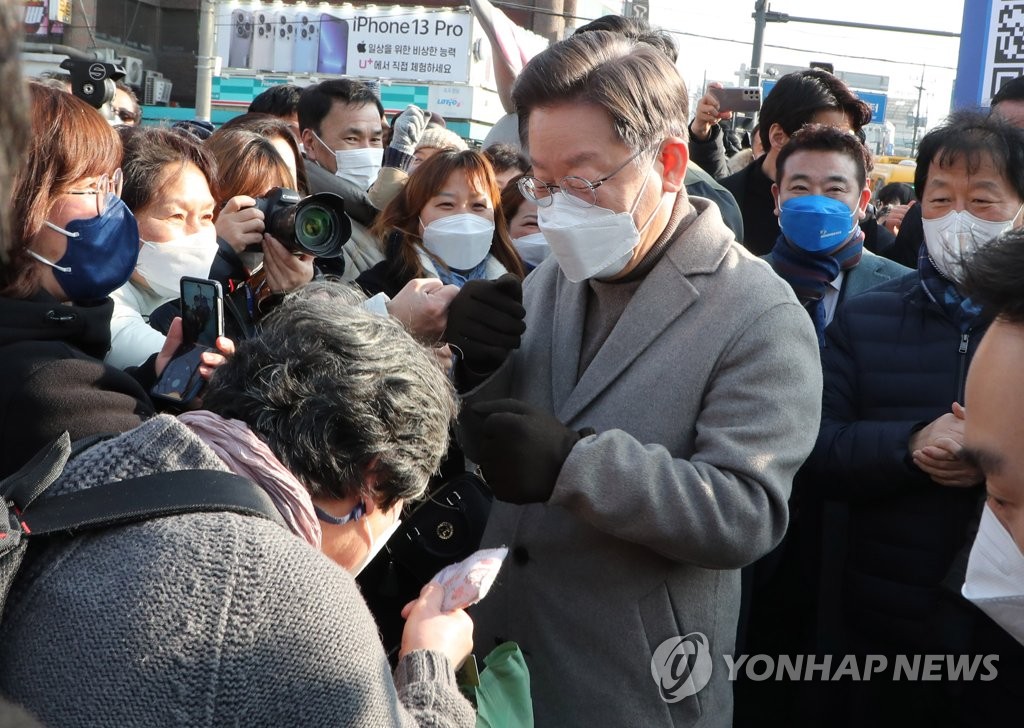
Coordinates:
[314,227]
[316,224]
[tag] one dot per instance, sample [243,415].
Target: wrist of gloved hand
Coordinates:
[398,157]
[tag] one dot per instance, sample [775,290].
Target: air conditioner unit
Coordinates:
[158,91]
[133,71]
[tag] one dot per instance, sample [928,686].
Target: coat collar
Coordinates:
[43,318]
[662,297]
[357,204]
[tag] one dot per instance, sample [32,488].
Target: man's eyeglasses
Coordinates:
[577,190]
[105,188]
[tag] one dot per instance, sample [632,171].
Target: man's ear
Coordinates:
[307,139]
[369,479]
[862,204]
[315,150]
[777,136]
[673,157]
[775,196]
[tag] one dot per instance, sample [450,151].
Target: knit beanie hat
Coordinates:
[439,137]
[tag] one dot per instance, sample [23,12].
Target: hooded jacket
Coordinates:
[52,377]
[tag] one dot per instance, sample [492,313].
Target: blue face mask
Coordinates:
[101,255]
[816,223]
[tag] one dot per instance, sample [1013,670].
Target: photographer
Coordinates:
[251,165]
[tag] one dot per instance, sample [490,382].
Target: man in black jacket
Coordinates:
[891,442]
[799,98]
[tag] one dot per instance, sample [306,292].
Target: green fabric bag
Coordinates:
[503,695]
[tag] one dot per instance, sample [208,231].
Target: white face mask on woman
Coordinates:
[532,248]
[592,242]
[956,236]
[163,265]
[461,241]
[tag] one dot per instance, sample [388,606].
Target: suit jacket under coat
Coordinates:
[705,398]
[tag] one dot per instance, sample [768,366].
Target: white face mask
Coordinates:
[995,576]
[956,236]
[358,166]
[376,544]
[591,242]
[461,241]
[533,248]
[164,264]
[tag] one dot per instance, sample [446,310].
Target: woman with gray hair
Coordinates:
[216,618]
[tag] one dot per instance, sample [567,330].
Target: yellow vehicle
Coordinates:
[891,169]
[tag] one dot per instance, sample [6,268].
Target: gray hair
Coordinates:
[335,390]
[632,80]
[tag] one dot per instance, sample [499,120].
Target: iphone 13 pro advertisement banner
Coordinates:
[398,43]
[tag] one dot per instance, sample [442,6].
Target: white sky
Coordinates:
[731,19]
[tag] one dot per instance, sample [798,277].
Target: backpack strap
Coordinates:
[146,497]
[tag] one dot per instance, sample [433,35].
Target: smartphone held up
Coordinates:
[739,98]
[202,322]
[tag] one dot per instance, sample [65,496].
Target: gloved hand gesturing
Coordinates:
[408,129]
[520,448]
[485,322]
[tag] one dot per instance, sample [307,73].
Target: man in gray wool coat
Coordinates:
[642,434]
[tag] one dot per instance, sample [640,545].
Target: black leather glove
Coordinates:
[519,447]
[485,322]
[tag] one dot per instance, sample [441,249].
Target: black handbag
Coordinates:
[443,529]
[440,530]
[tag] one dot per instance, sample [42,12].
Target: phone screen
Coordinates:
[202,321]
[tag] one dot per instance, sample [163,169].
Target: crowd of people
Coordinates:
[712,390]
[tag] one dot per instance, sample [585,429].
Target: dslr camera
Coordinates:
[316,225]
[93,81]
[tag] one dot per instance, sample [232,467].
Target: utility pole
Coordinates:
[760,20]
[205,59]
[917,114]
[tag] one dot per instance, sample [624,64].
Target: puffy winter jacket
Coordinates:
[894,362]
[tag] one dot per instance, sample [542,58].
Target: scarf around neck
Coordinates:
[810,274]
[961,310]
[247,455]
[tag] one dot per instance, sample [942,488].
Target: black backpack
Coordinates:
[25,517]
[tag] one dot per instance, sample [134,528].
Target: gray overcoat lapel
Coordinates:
[663,296]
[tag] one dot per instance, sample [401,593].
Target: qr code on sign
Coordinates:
[1005,56]
[1003,75]
[1009,45]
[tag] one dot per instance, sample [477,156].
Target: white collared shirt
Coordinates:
[831,298]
